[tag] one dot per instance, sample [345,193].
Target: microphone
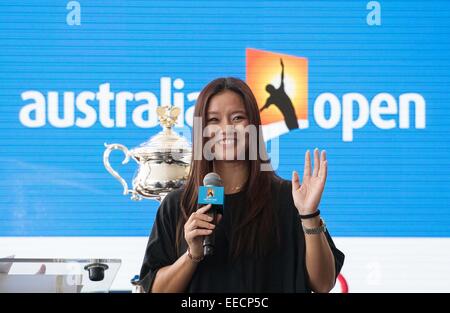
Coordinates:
[211,193]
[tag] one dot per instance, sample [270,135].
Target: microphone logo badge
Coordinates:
[211,195]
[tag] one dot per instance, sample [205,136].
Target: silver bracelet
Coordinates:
[316,230]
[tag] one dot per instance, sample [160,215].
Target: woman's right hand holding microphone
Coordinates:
[196,227]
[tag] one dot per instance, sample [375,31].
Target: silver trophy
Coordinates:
[163,160]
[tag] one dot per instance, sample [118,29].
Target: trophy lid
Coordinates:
[166,141]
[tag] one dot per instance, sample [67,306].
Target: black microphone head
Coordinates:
[212,179]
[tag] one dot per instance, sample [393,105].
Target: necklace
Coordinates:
[237,188]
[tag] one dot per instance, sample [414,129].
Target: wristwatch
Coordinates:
[316,230]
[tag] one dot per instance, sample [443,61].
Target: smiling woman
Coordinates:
[270,237]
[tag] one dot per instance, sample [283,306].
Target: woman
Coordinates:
[270,238]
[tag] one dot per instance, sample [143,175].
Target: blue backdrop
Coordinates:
[383,183]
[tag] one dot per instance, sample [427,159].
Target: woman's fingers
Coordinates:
[323,170]
[200,224]
[307,168]
[193,234]
[323,155]
[316,163]
[323,165]
[200,213]
[200,216]
[204,209]
[295,181]
[199,232]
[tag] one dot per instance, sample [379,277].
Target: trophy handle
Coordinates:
[109,149]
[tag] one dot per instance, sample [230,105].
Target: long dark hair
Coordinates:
[257,226]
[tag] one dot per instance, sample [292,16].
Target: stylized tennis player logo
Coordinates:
[281,100]
[280,85]
[210,193]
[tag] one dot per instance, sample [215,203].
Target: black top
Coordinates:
[283,270]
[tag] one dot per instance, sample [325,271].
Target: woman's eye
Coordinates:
[212,120]
[238,118]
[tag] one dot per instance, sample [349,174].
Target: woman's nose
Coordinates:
[228,131]
[226,125]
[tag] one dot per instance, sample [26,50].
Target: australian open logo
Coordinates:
[278,81]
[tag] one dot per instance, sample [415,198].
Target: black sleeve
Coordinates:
[161,250]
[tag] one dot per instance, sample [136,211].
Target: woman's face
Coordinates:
[226,113]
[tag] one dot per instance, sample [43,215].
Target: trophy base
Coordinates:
[156,191]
